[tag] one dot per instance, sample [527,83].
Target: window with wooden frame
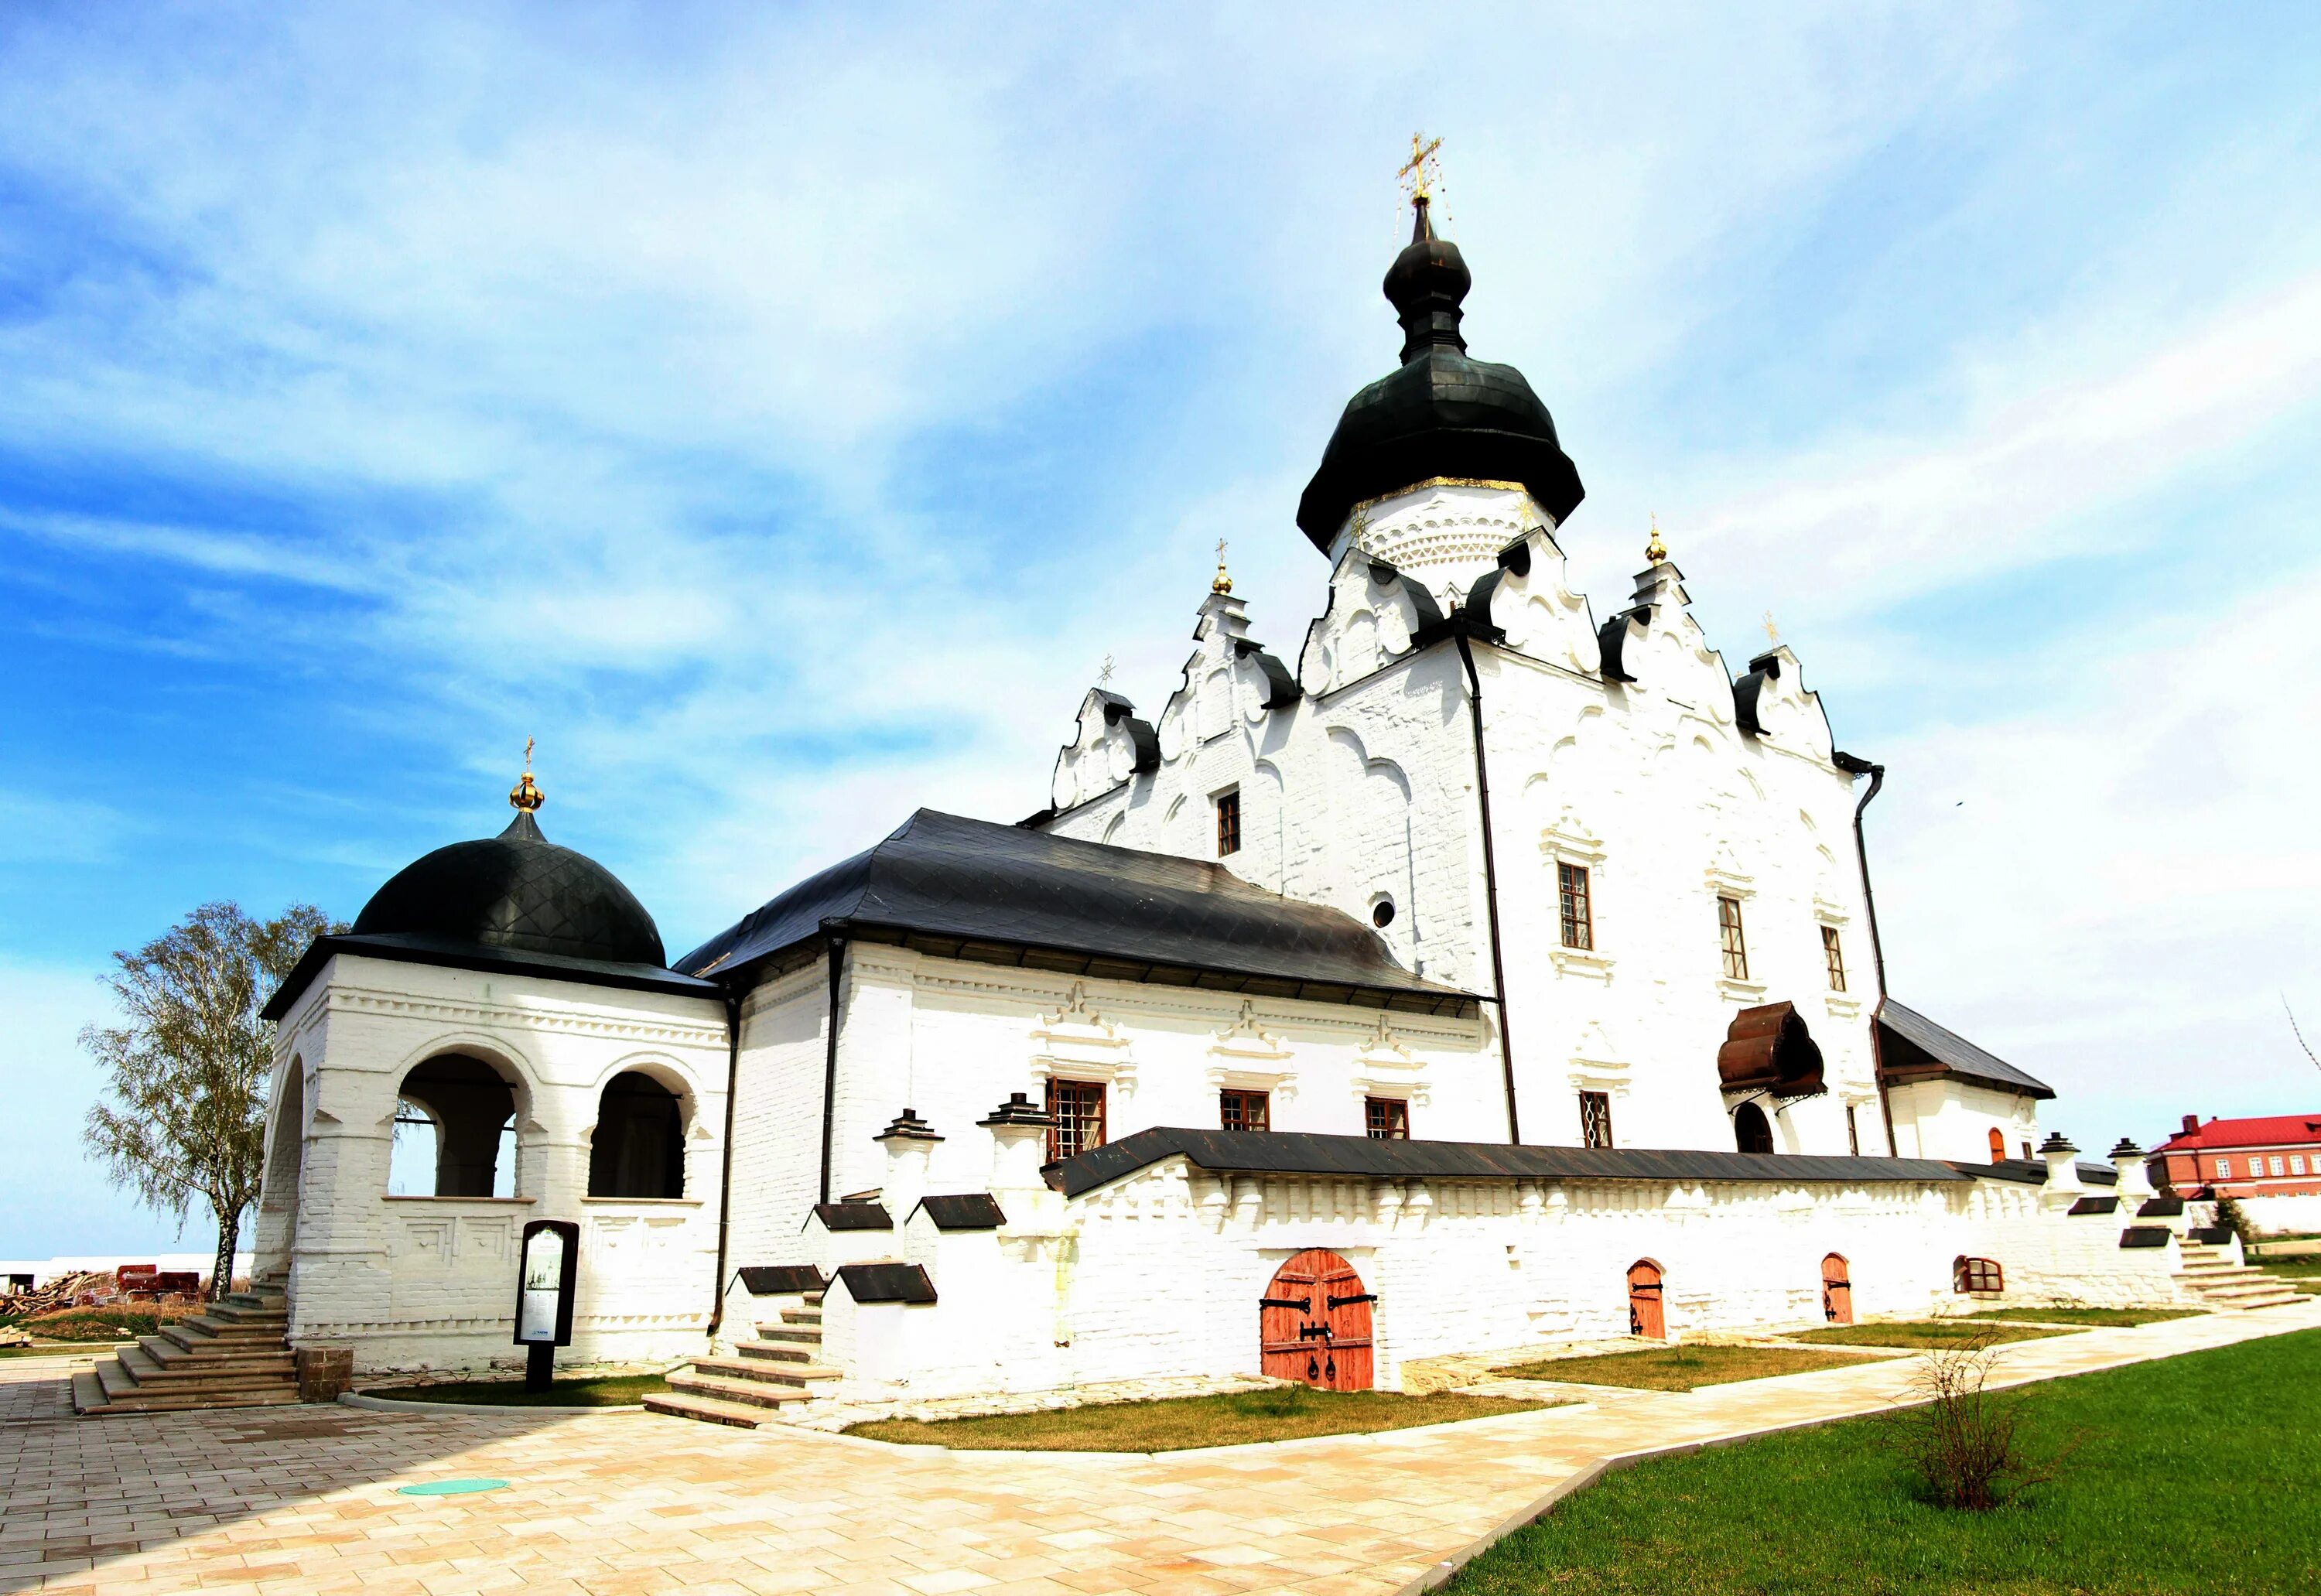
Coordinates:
[1852,1133]
[1833,956]
[1578,915]
[1388,1119]
[1977,1274]
[1078,1109]
[1244,1110]
[1729,930]
[1595,1118]
[1228,823]
[1997,1145]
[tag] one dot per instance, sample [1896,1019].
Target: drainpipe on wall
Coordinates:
[726,1169]
[835,947]
[1877,774]
[1490,884]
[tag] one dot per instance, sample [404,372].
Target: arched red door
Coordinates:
[1644,1316]
[1314,1323]
[1836,1291]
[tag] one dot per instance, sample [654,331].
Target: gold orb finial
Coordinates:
[1656,551]
[525,794]
[1224,583]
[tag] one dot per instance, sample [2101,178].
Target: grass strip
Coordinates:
[2103,1318]
[607,1391]
[1830,1511]
[1920,1333]
[1281,1413]
[1681,1367]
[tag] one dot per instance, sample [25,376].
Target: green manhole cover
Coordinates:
[451,1487]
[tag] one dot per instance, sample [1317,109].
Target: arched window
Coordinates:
[1977,1274]
[1997,1145]
[638,1147]
[454,1131]
[1751,1131]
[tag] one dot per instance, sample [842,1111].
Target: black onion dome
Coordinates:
[516,890]
[1442,413]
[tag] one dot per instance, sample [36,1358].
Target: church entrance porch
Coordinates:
[1314,1323]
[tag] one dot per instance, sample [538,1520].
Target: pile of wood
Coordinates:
[80,1289]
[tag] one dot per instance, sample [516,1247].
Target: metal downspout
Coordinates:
[725,1166]
[836,949]
[1877,774]
[1491,886]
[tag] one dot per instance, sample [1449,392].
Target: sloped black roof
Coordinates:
[410,948]
[885,1282]
[965,1210]
[1910,1046]
[1301,1152]
[971,889]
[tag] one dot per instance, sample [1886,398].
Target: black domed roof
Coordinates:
[516,890]
[1442,413]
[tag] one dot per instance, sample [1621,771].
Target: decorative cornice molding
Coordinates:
[387,1005]
[1218,1009]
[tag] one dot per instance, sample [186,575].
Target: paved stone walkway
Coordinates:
[303,1499]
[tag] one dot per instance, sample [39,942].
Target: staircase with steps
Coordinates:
[233,1356]
[2212,1275]
[747,1390]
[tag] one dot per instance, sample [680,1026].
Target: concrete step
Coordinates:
[169,1354]
[766,1369]
[758,1394]
[187,1367]
[123,1388]
[708,1410]
[246,1319]
[801,1315]
[777,1352]
[812,1337]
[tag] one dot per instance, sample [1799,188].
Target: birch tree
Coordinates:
[183,1119]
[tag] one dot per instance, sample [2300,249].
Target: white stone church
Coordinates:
[1478,973]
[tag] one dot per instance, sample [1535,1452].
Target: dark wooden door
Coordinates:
[1836,1291]
[1644,1316]
[1314,1323]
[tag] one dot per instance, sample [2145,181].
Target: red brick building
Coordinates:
[2278,1155]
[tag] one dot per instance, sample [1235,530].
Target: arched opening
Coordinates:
[1751,1131]
[1997,1145]
[1644,1316]
[1313,1324]
[1836,1290]
[639,1146]
[454,1131]
[277,1199]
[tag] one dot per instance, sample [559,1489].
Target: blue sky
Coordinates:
[780,413]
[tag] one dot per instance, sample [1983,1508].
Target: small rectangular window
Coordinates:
[1388,1119]
[1852,1133]
[1578,916]
[1228,823]
[2224,1168]
[1244,1110]
[1834,957]
[2296,1164]
[1078,1108]
[2256,1166]
[2276,1166]
[1595,1118]
[1728,927]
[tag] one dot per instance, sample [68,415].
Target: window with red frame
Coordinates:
[1244,1110]
[1078,1108]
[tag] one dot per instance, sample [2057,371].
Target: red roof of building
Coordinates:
[2267,1131]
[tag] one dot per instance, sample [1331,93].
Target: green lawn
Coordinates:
[2307,1267]
[1920,1333]
[609,1390]
[1280,1413]
[79,1349]
[1681,1368]
[2102,1318]
[2194,1475]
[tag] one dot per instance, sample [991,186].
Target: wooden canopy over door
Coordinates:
[1836,1291]
[1314,1323]
[1644,1316]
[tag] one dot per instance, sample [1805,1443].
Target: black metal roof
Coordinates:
[965,1210]
[2033,1171]
[409,948]
[780,1280]
[853,1216]
[1441,413]
[2096,1205]
[1911,1047]
[972,888]
[1300,1153]
[885,1282]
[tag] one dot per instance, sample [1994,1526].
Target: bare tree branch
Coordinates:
[2296,1032]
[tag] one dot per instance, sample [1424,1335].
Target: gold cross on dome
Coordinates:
[525,794]
[1223,584]
[1422,170]
[1772,633]
[1104,676]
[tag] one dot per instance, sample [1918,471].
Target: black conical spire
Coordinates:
[1426,284]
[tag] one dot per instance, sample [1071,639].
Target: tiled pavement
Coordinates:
[303,1499]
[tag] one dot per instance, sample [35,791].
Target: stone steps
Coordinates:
[767,1370]
[754,1393]
[708,1410]
[2211,1275]
[232,1354]
[764,1375]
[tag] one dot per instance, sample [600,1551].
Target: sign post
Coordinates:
[550,1262]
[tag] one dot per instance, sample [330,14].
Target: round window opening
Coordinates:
[1382,913]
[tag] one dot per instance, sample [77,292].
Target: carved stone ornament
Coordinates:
[1076,1040]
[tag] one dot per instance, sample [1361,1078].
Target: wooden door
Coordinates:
[1644,1316]
[1314,1323]
[1836,1291]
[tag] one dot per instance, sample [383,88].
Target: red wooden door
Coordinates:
[1314,1323]
[1836,1291]
[1644,1316]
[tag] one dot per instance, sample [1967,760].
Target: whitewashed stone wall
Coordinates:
[1953,1119]
[429,1282]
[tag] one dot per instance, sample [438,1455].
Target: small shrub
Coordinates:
[1962,1440]
[2234,1219]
